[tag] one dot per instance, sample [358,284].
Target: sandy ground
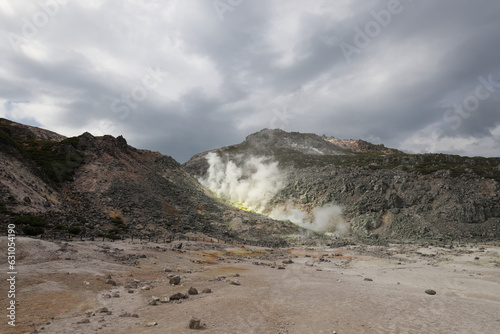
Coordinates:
[354,289]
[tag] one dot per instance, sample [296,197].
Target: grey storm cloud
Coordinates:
[182,77]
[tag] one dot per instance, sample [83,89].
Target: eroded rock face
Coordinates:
[103,186]
[397,203]
[383,192]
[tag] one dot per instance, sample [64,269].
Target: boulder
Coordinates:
[176,280]
[194,323]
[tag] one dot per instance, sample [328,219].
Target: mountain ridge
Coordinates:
[101,186]
[384,193]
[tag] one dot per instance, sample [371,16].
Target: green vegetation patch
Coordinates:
[31,225]
[57,160]
[4,210]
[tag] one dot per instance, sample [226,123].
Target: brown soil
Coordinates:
[57,283]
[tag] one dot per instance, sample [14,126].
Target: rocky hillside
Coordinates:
[383,193]
[102,186]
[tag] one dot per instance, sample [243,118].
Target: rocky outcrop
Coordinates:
[383,192]
[103,186]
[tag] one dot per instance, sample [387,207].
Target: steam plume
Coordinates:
[252,186]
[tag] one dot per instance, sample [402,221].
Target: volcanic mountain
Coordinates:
[355,187]
[101,186]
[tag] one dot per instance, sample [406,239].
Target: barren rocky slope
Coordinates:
[383,192]
[101,186]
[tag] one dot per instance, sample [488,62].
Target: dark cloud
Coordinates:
[174,77]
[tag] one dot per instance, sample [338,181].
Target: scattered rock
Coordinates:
[281,267]
[167,270]
[207,290]
[194,323]
[430,292]
[287,261]
[111,282]
[192,291]
[178,296]
[176,280]
[234,282]
[83,321]
[154,300]
[142,256]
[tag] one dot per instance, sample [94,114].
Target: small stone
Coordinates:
[194,323]
[125,315]
[368,279]
[430,292]
[142,256]
[178,296]
[83,321]
[152,324]
[309,264]
[154,300]
[281,267]
[192,291]
[111,282]
[234,282]
[167,270]
[287,261]
[176,280]
[164,300]
[207,290]
[115,294]
[102,310]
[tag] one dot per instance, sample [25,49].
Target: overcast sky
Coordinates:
[186,76]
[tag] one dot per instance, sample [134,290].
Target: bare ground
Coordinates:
[354,289]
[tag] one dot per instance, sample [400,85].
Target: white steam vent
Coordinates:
[249,187]
[252,186]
